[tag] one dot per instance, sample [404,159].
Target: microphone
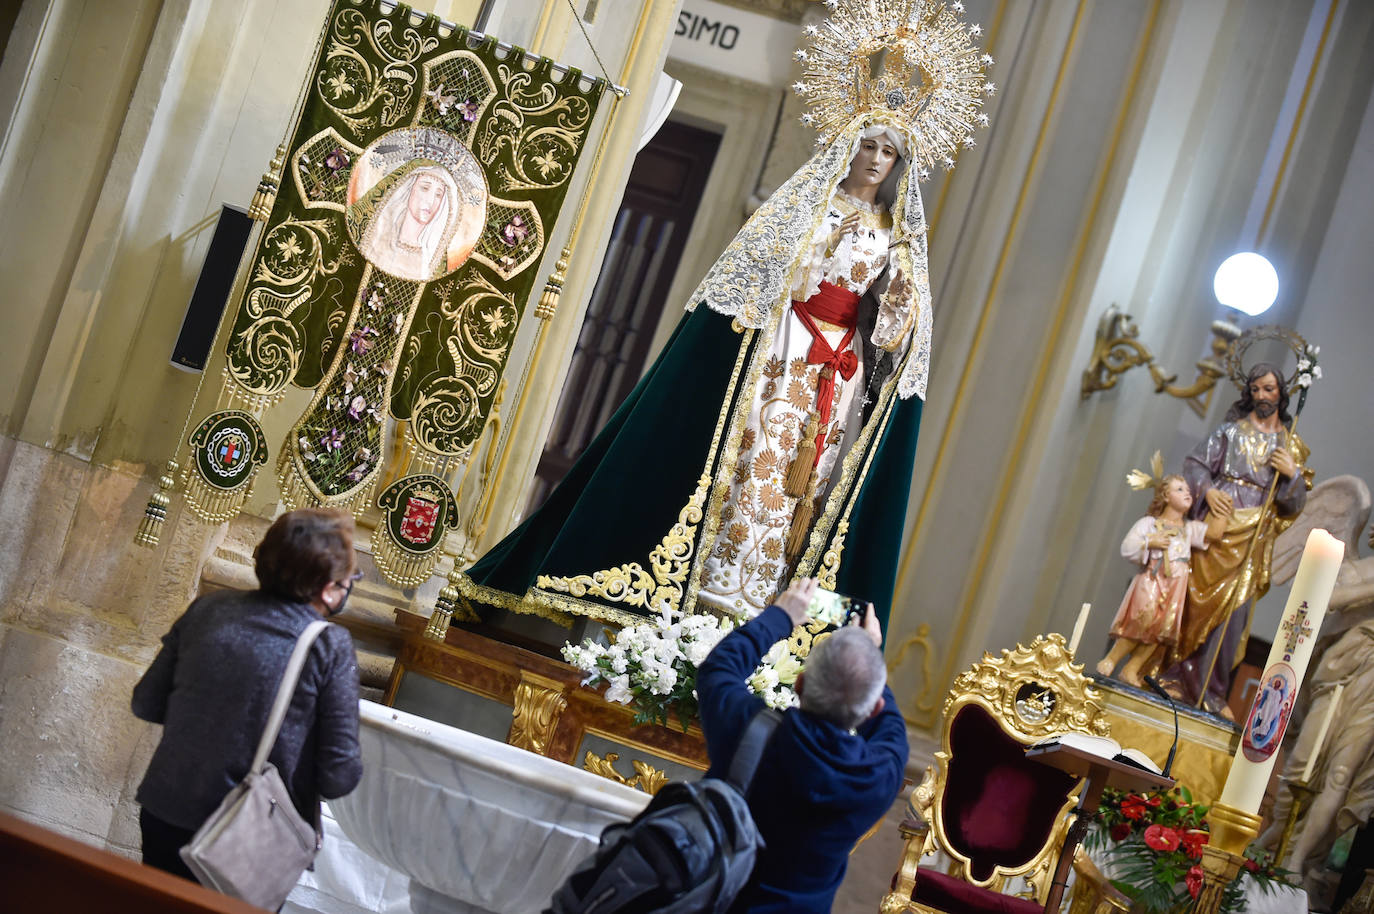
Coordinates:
[1159,690]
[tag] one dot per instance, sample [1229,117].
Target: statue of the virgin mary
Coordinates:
[774,436]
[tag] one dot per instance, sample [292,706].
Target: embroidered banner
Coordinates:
[419,187]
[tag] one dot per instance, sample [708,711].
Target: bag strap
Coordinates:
[285,690]
[750,749]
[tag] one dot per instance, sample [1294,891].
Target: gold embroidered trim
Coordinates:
[830,562]
[630,583]
[671,561]
[557,608]
[470,590]
[725,471]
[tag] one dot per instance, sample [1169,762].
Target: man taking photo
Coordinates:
[833,766]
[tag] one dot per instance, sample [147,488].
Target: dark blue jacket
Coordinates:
[818,787]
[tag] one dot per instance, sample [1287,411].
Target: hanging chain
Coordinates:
[583,29]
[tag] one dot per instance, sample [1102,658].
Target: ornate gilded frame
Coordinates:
[1032,692]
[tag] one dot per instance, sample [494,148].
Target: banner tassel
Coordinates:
[800,533]
[266,194]
[448,604]
[553,287]
[155,514]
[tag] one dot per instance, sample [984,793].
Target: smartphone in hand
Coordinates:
[834,608]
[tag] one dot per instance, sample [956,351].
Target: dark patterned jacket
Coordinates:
[211,687]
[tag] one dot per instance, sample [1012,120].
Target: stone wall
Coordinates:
[81,613]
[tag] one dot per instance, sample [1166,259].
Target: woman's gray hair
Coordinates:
[845,676]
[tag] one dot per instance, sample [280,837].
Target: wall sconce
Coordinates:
[1246,282]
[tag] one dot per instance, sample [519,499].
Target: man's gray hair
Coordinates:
[845,676]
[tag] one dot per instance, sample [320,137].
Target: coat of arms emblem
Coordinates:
[417,513]
[420,517]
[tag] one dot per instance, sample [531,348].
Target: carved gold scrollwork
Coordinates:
[1037,689]
[669,562]
[539,703]
[647,778]
[925,699]
[830,562]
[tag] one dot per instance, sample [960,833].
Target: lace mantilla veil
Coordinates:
[751,281]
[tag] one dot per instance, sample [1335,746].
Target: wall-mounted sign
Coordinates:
[735,42]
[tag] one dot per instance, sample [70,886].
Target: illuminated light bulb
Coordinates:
[1246,282]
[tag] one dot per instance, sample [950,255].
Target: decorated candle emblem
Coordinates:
[1268,719]
[1295,631]
[1283,671]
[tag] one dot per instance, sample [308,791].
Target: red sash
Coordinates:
[835,306]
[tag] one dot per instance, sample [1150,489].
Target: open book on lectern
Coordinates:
[1101,746]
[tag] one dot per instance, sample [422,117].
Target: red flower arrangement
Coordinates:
[1194,880]
[1153,843]
[1162,838]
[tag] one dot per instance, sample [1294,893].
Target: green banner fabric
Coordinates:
[421,181]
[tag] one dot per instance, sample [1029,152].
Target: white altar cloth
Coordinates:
[346,880]
[477,825]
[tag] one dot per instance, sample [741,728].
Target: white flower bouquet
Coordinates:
[653,666]
[1308,369]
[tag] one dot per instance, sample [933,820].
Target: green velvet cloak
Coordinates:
[629,488]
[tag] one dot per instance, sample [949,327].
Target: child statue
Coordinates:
[1150,618]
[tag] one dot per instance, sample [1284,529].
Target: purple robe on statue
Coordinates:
[1234,459]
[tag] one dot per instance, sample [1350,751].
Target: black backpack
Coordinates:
[692,849]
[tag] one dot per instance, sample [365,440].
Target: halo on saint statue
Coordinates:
[1235,356]
[416,203]
[1305,354]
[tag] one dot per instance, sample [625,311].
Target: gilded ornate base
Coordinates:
[1232,831]
[1206,743]
[1093,892]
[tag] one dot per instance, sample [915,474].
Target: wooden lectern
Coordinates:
[1100,773]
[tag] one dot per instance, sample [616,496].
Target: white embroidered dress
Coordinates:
[744,568]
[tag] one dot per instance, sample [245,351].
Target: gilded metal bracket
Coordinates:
[1117,350]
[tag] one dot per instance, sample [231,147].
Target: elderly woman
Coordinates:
[212,685]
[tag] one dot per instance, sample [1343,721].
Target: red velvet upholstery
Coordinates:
[999,807]
[950,893]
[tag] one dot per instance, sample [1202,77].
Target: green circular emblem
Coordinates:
[228,447]
[418,510]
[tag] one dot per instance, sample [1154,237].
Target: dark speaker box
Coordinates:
[203,314]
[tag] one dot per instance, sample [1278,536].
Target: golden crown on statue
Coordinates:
[912,60]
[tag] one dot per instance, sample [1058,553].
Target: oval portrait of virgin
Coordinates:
[417,201]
